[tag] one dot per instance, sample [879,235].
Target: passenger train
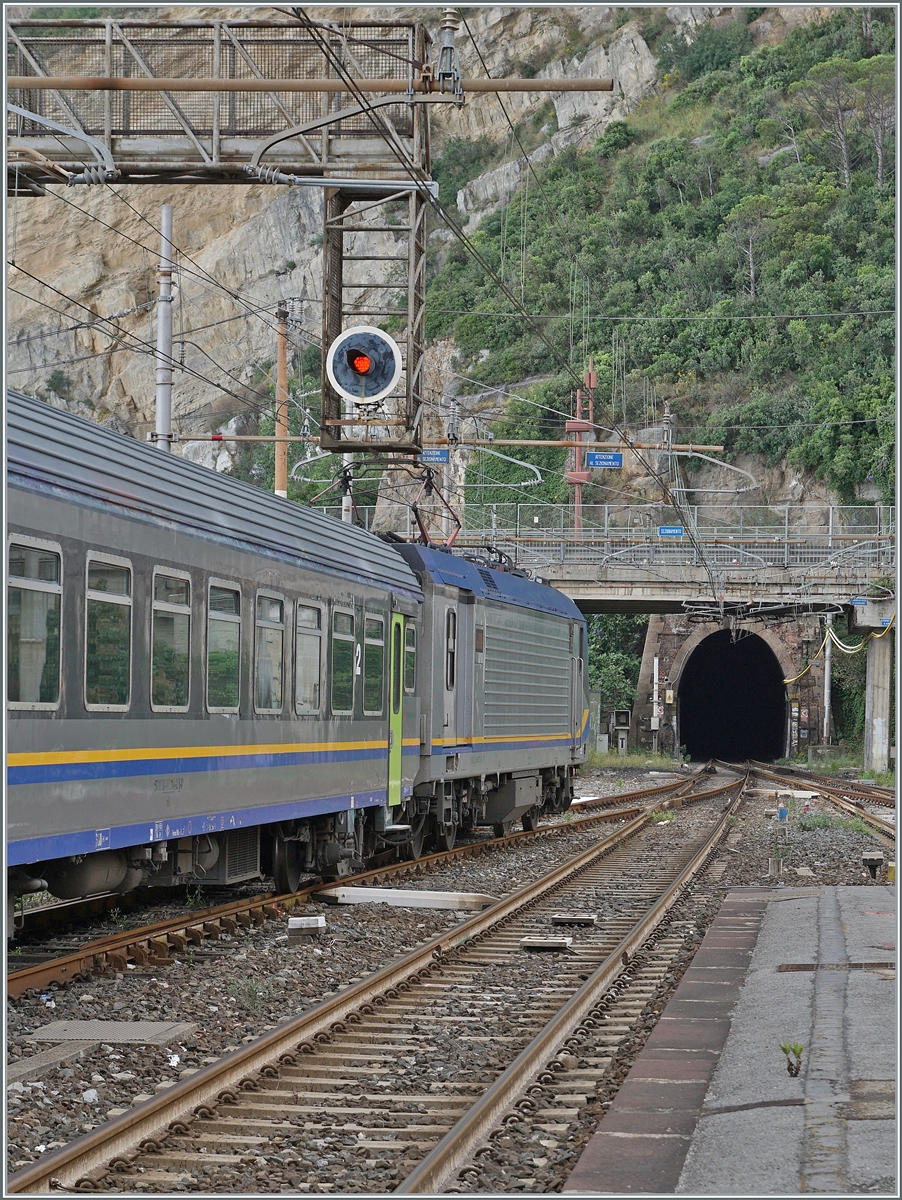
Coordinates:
[209,683]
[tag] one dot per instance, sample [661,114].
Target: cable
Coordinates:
[137,344]
[867,312]
[831,636]
[411,170]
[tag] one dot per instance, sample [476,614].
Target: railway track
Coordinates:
[849,790]
[154,945]
[372,1071]
[851,801]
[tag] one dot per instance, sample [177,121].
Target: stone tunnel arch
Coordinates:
[731,696]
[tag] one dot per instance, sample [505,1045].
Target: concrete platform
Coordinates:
[709,1108]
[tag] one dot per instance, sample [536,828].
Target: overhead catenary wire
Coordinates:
[136,344]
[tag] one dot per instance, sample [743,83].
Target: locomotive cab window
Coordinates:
[343,662]
[223,648]
[170,661]
[450,648]
[373,664]
[108,627]
[410,658]
[268,654]
[308,659]
[34,596]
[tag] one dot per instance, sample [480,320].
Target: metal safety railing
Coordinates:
[629,536]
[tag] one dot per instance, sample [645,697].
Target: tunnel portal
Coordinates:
[732,700]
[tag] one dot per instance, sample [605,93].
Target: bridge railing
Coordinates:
[638,535]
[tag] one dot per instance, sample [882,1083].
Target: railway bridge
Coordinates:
[734,663]
[739,597]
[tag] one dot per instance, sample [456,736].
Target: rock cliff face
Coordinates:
[84,254]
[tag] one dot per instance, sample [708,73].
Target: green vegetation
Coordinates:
[461,161]
[59,382]
[822,820]
[755,192]
[635,758]
[793,1052]
[616,641]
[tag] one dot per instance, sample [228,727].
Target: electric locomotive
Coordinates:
[209,683]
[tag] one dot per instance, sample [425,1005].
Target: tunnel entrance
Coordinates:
[732,700]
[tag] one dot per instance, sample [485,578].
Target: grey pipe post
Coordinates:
[164,335]
[828,672]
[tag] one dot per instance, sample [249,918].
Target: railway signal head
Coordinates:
[364,364]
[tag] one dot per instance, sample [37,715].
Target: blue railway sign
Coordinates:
[858,600]
[885,621]
[434,455]
[596,458]
[670,531]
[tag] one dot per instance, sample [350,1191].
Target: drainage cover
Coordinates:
[848,966]
[159,1033]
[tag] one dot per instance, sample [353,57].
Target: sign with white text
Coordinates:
[596,458]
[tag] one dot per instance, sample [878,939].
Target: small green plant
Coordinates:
[249,993]
[117,918]
[793,1052]
[195,898]
[659,817]
[59,382]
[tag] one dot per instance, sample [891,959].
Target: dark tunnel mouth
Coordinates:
[732,700]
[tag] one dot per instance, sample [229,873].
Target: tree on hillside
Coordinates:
[877,103]
[746,224]
[830,95]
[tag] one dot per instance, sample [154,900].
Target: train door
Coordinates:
[578,686]
[395,707]
[449,730]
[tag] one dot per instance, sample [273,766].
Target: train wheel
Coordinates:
[414,847]
[530,819]
[287,863]
[445,836]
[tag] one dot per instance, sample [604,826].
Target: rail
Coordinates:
[436,1170]
[151,945]
[237,1074]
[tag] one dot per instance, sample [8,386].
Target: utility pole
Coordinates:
[828,683]
[281,480]
[163,414]
[347,461]
[579,428]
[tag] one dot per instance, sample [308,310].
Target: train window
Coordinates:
[268,651]
[33,626]
[170,642]
[373,665]
[308,659]
[450,648]
[223,648]
[410,658]
[108,618]
[342,662]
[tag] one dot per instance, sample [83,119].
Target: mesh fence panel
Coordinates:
[190,53]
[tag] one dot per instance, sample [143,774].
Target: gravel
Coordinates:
[234,989]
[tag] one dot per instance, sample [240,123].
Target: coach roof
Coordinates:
[50,449]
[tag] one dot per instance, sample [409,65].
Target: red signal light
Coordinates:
[361,363]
